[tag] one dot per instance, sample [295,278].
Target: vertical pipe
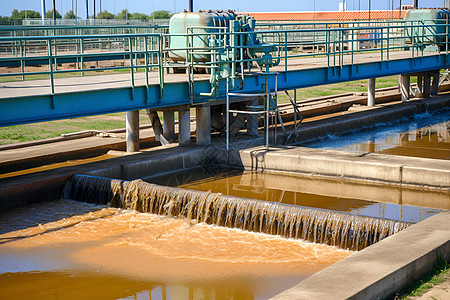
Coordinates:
[371,92]
[54,12]
[87,10]
[416,3]
[43,11]
[132,128]
[94,11]
[191,5]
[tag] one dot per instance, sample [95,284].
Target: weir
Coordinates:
[316,225]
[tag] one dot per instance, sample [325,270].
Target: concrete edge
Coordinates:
[379,271]
[48,185]
[389,169]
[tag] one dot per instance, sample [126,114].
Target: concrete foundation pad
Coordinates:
[382,269]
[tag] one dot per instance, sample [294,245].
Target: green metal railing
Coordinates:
[230,54]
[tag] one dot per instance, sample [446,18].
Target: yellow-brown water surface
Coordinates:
[70,250]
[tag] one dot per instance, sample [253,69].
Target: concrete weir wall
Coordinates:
[433,173]
[379,271]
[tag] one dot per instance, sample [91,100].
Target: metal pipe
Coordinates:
[87,10]
[54,12]
[191,6]
[43,11]
[416,3]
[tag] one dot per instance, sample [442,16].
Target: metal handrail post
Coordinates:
[285,53]
[228,121]
[50,61]
[146,66]
[267,114]
[130,44]
[82,56]
[22,68]
[295,115]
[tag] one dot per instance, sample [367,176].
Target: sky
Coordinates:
[147,6]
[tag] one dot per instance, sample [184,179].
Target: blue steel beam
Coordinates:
[40,108]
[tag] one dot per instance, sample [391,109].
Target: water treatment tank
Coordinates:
[202,23]
[434,19]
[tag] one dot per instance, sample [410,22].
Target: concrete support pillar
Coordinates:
[404,87]
[203,124]
[169,125]
[132,128]
[426,92]
[156,123]
[184,121]
[371,92]
[252,120]
[435,83]
[418,93]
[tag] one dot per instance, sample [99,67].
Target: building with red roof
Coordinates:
[327,16]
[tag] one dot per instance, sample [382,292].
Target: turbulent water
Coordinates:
[321,226]
[73,250]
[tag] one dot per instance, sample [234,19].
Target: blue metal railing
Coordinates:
[338,43]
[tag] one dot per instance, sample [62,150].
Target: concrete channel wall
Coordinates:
[432,173]
[379,271]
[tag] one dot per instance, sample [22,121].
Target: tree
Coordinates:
[31,14]
[160,14]
[15,15]
[105,15]
[123,14]
[49,14]
[69,15]
[139,16]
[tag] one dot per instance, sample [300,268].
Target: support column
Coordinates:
[404,87]
[435,83]
[203,124]
[371,92]
[156,124]
[419,91]
[132,129]
[169,125]
[252,120]
[426,85]
[184,121]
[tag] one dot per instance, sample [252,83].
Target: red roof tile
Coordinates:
[327,15]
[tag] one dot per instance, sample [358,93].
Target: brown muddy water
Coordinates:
[401,204]
[71,250]
[426,136]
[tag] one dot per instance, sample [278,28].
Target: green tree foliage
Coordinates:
[139,16]
[105,15]
[49,14]
[123,14]
[160,14]
[69,15]
[31,14]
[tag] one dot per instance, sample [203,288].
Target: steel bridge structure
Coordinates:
[56,72]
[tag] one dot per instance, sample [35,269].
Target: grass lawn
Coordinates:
[418,288]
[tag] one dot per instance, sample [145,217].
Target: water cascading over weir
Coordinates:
[339,229]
